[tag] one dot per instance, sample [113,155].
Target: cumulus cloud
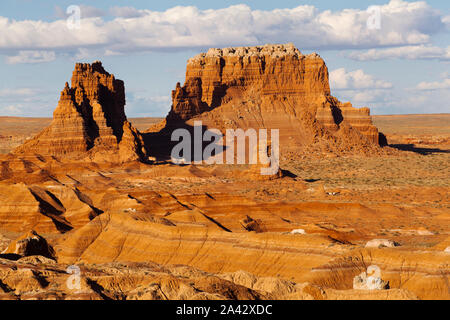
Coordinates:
[416,101]
[85,12]
[425,52]
[340,79]
[422,98]
[90,12]
[14,92]
[142,104]
[366,97]
[30,101]
[11,110]
[126,12]
[435,85]
[446,21]
[130,30]
[360,88]
[31,56]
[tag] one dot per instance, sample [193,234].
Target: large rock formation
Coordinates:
[271,86]
[89,121]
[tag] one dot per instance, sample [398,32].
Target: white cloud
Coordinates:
[17,92]
[422,98]
[366,97]
[402,23]
[435,85]
[159,99]
[359,88]
[126,12]
[11,110]
[29,101]
[141,103]
[85,12]
[401,101]
[416,101]
[340,79]
[31,56]
[406,52]
[446,21]
[90,12]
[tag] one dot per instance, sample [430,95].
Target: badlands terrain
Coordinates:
[92,206]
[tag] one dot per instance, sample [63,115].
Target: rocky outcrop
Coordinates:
[55,210]
[381,243]
[370,280]
[298,231]
[89,121]
[271,86]
[30,244]
[221,74]
[42,279]
[4,242]
[249,224]
[265,162]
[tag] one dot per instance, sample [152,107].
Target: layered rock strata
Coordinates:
[89,121]
[271,86]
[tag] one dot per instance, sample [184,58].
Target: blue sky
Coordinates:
[401,67]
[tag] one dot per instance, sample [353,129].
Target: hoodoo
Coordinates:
[89,121]
[271,86]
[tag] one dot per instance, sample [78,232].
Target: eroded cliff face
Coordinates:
[271,86]
[89,121]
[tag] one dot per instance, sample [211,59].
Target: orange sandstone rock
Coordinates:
[30,244]
[271,86]
[90,118]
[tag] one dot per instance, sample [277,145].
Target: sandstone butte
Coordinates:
[89,121]
[273,87]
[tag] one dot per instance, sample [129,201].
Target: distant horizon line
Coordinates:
[163,117]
